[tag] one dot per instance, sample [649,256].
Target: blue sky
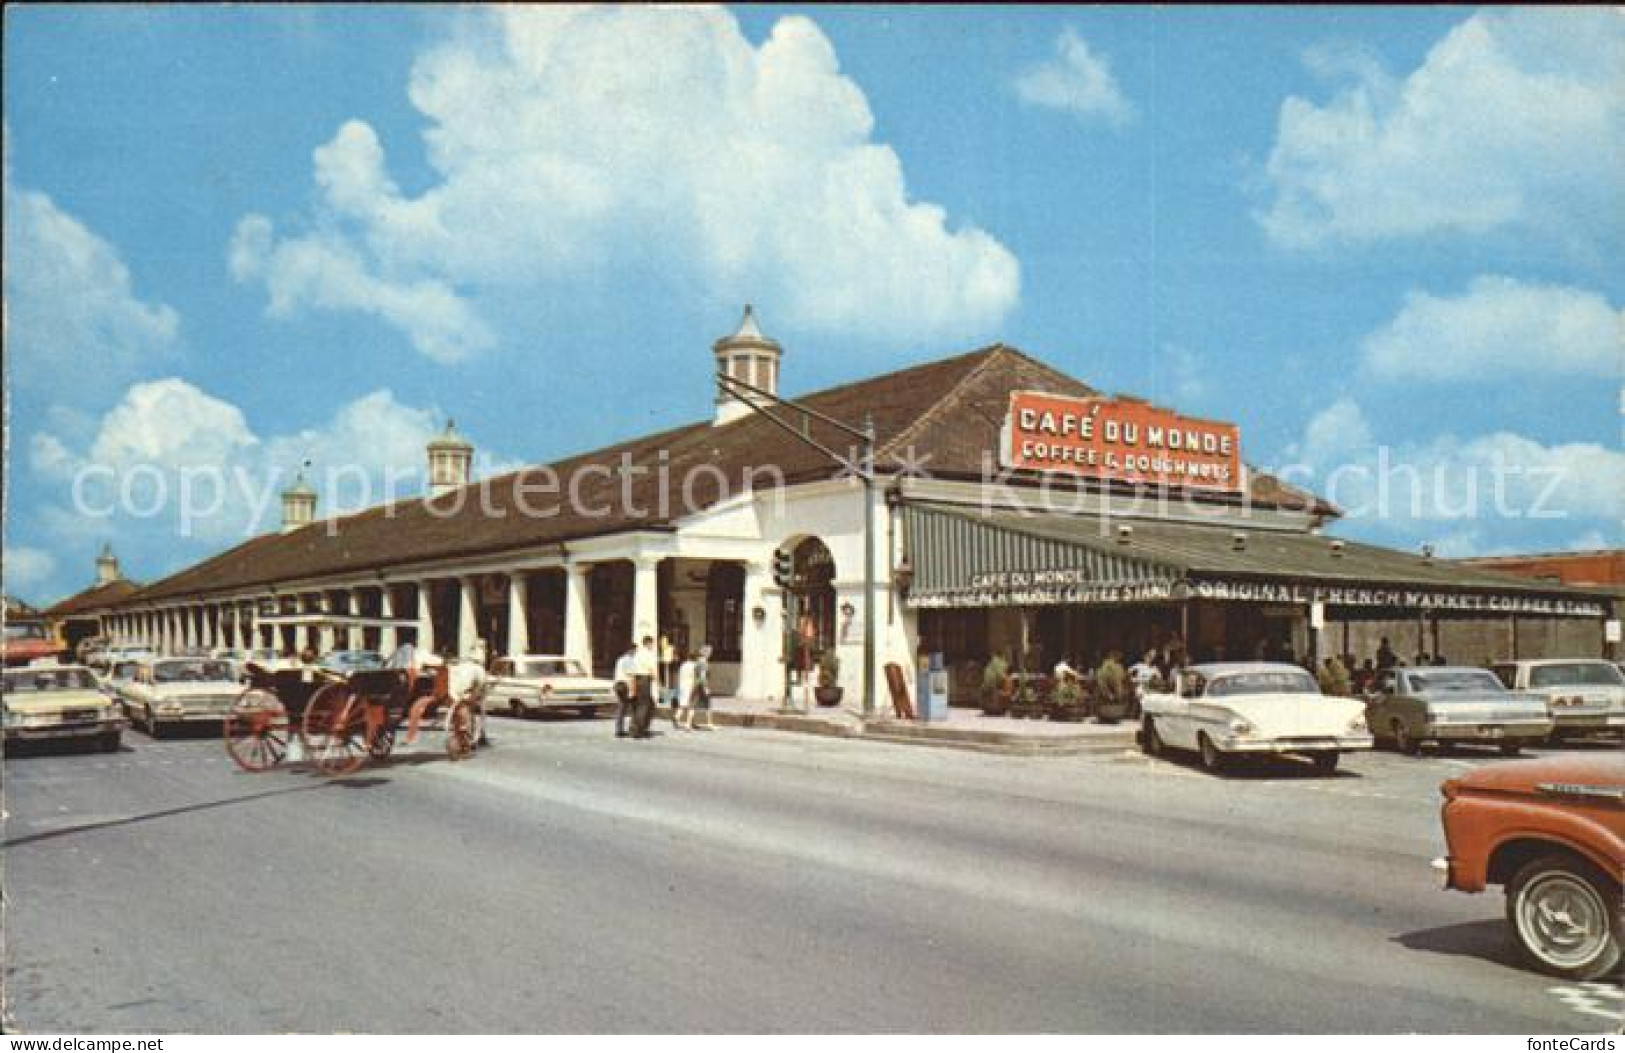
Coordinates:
[247,236]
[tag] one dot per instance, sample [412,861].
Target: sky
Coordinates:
[241,238]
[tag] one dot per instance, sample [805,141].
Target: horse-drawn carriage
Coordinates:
[343,721]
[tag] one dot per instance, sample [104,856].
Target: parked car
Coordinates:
[1551,832]
[1226,710]
[1587,695]
[533,683]
[347,662]
[1454,704]
[168,692]
[45,700]
[119,674]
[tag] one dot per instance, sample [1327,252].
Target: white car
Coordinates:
[532,683]
[1587,695]
[169,692]
[44,700]
[1225,710]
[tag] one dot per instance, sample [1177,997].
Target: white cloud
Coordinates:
[26,570]
[1500,326]
[1483,489]
[73,320]
[1077,81]
[170,456]
[567,138]
[1514,120]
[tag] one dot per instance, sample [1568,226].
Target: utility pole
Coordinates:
[864,469]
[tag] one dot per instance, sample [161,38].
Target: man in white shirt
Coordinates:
[624,687]
[645,668]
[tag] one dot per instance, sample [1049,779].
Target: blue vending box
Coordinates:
[933,686]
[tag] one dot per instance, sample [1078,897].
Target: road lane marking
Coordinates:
[1603,1000]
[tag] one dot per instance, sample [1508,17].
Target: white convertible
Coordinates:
[1224,710]
[536,682]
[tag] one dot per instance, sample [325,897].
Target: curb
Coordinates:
[902,734]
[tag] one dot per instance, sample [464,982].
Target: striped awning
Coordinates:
[971,557]
[961,560]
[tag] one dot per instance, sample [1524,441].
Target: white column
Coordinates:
[208,634]
[518,615]
[646,597]
[325,635]
[761,670]
[358,637]
[386,609]
[468,629]
[577,631]
[425,617]
[192,629]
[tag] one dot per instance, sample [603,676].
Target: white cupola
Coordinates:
[449,458]
[298,504]
[107,569]
[748,356]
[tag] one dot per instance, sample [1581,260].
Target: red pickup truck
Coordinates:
[1552,833]
[27,639]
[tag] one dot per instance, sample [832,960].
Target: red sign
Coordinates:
[1119,439]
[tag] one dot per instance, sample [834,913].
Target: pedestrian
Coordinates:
[681,692]
[670,656]
[1386,658]
[645,672]
[699,698]
[1366,681]
[1144,673]
[623,690]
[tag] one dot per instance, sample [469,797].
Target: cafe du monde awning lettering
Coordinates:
[968,558]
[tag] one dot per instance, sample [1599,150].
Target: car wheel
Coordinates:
[1403,741]
[516,707]
[1511,749]
[1213,758]
[1150,741]
[1325,762]
[1565,915]
[109,742]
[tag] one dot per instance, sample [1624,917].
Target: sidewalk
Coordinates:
[963,729]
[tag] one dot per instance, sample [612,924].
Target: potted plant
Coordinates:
[828,692]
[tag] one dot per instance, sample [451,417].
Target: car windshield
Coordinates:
[1262,682]
[122,671]
[195,670]
[25,631]
[551,667]
[1566,673]
[32,681]
[1448,681]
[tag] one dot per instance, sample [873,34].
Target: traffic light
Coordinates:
[783,568]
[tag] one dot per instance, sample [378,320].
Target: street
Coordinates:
[746,881]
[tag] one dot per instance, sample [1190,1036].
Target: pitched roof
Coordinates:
[102,595]
[949,411]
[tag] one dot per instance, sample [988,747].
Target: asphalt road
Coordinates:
[746,881]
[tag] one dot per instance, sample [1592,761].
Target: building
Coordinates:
[1597,567]
[1015,508]
[80,616]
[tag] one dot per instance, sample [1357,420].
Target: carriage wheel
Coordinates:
[383,742]
[335,730]
[462,730]
[257,731]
